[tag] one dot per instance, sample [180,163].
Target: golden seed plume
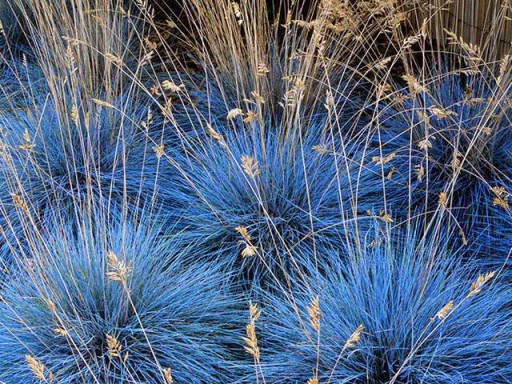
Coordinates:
[443,312]
[501,197]
[159,151]
[315,314]
[102,103]
[244,232]
[118,270]
[476,287]
[114,347]
[251,340]
[385,217]
[442,200]
[234,113]
[383,160]
[250,166]
[36,367]
[168,376]
[354,338]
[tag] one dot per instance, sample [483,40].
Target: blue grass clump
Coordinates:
[454,136]
[401,290]
[99,157]
[86,320]
[92,156]
[305,195]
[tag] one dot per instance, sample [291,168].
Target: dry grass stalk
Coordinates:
[251,341]
[315,314]
[443,312]
[114,347]
[476,287]
[354,338]
[118,270]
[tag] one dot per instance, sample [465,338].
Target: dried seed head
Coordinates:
[171,87]
[315,314]
[420,171]
[251,340]
[118,270]
[234,113]
[501,197]
[74,114]
[321,149]
[262,69]
[442,200]
[159,151]
[36,367]
[378,160]
[250,117]
[385,217]
[414,86]
[250,166]
[61,332]
[476,287]
[102,103]
[244,232]
[354,338]
[424,144]
[114,347]
[443,312]
[168,376]
[249,250]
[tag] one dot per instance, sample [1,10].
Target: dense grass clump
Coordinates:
[115,303]
[397,313]
[449,135]
[96,155]
[293,195]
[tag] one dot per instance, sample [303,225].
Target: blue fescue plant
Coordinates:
[448,138]
[96,155]
[403,310]
[271,151]
[267,203]
[113,302]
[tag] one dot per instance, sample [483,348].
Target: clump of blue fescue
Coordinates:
[401,311]
[114,303]
[93,153]
[450,134]
[293,194]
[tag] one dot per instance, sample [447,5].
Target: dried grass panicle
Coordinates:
[250,166]
[476,287]
[354,338]
[445,311]
[118,270]
[114,346]
[251,340]
[168,376]
[315,314]
[39,370]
